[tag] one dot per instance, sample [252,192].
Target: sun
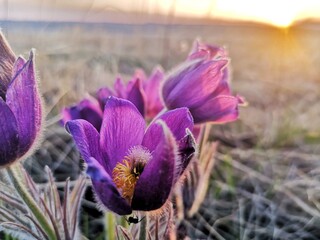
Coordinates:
[281,13]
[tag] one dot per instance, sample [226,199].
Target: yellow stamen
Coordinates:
[126,173]
[125,179]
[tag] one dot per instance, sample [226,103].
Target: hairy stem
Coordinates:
[111,224]
[143,229]
[15,174]
[124,222]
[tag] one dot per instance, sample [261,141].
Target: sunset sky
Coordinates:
[276,12]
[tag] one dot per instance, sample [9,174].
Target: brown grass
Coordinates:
[275,69]
[268,162]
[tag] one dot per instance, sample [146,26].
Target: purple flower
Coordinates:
[201,84]
[88,109]
[133,92]
[143,92]
[131,167]
[91,109]
[20,107]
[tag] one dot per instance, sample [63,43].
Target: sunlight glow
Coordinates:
[281,13]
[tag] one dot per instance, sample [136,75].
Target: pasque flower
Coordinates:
[143,92]
[91,108]
[131,167]
[201,83]
[132,91]
[20,105]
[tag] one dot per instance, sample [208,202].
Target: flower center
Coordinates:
[127,172]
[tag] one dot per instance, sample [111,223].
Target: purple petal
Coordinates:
[201,53]
[6,65]
[206,51]
[223,87]
[139,74]
[24,101]
[9,140]
[122,128]
[103,94]
[90,110]
[215,51]
[70,113]
[174,77]
[187,149]
[154,185]
[152,89]
[180,123]
[242,101]
[220,109]
[18,66]
[151,86]
[178,120]
[136,95]
[120,88]
[105,190]
[86,138]
[195,85]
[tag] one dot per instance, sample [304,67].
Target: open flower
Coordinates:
[131,167]
[20,106]
[201,84]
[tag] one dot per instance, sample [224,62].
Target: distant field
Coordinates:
[276,70]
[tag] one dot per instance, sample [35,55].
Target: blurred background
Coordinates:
[275,61]
[273,46]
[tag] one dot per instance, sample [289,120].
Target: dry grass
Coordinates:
[265,183]
[276,70]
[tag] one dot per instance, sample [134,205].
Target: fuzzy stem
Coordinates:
[110,222]
[15,173]
[143,229]
[124,222]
